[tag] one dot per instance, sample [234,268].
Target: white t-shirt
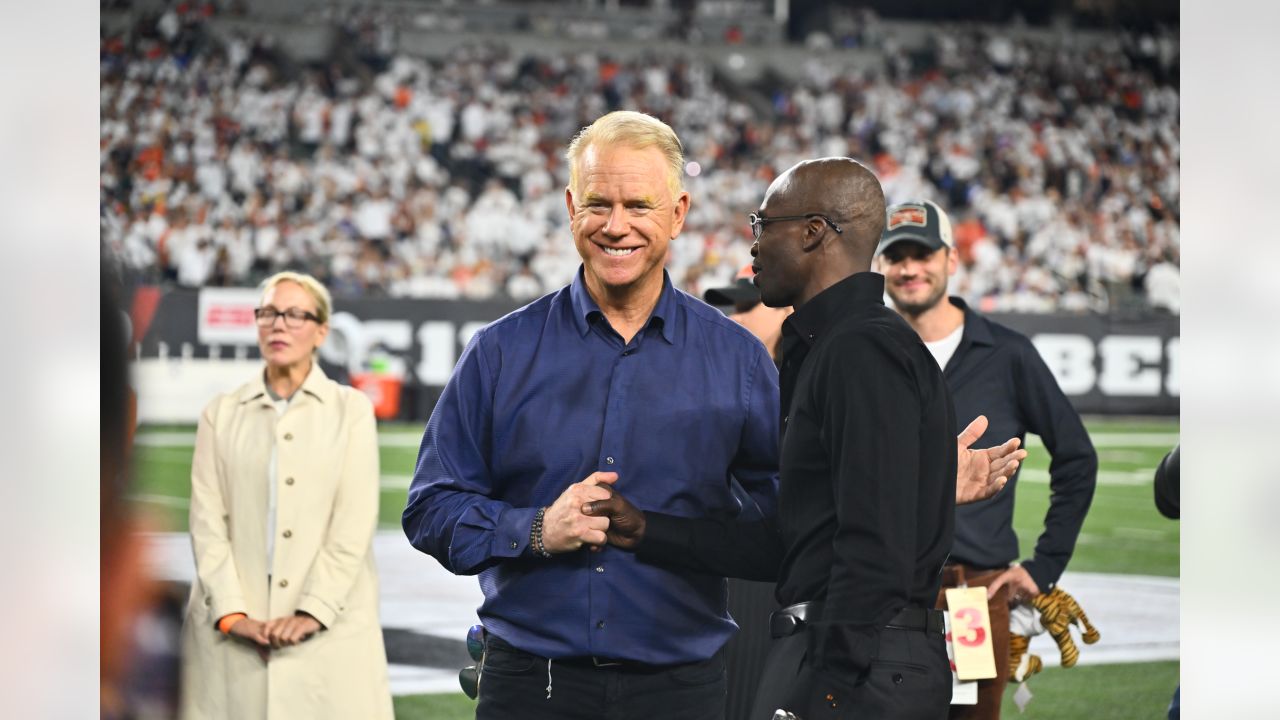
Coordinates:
[946,347]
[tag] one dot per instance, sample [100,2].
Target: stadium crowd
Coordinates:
[224,160]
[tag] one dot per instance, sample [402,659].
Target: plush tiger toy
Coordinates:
[1053,613]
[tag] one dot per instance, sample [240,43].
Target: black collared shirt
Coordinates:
[997,372]
[867,491]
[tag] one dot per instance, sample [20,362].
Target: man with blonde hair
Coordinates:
[619,377]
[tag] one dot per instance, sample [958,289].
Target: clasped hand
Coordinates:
[980,474]
[276,633]
[565,527]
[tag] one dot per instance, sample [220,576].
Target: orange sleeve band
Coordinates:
[224,625]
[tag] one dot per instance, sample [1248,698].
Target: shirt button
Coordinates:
[599,568]
[284,583]
[288,534]
[514,545]
[288,436]
[627,352]
[288,481]
[600,625]
[609,460]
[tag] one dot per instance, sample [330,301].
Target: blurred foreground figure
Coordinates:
[1168,493]
[125,590]
[282,621]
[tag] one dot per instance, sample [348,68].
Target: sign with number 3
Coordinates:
[971,633]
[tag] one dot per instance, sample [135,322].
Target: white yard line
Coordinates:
[1121,440]
[1105,477]
[163,500]
[396,482]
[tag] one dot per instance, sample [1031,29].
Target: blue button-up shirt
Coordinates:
[549,394]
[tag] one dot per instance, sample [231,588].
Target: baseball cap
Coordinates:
[742,290]
[919,221]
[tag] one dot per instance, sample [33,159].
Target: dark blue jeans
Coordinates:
[514,686]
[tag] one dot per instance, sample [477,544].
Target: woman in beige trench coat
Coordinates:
[283,616]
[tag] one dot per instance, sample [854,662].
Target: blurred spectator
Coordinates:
[441,177]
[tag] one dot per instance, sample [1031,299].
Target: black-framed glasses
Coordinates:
[294,318]
[757,222]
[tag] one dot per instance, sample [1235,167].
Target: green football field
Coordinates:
[1122,534]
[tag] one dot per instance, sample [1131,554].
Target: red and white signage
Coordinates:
[225,316]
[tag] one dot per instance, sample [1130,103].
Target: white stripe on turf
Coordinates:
[413,680]
[1105,477]
[164,500]
[1121,440]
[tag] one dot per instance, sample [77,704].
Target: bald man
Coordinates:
[868,467]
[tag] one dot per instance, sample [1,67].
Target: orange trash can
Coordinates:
[383,389]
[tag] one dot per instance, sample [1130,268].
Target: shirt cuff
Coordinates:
[319,609]
[511,535]
[1043,576]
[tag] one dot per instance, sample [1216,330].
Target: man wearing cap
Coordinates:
[995,370]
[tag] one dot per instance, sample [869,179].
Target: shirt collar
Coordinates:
[586,310]
[976,328]
[316,384]
[836,302]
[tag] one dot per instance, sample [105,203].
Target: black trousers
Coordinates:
[909,680]
[514,686]
[750,604]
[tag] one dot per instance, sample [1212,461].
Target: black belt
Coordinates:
[588,661]
[619,664]
[790,619]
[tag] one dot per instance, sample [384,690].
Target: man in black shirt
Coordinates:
[996,370]
[868,471]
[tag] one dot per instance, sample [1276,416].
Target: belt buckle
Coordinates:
[783,624]
[604,662]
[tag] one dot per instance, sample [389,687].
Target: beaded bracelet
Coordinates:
[535,535]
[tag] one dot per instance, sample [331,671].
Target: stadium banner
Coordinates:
[225,316]
[1108,365]
[193,343]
